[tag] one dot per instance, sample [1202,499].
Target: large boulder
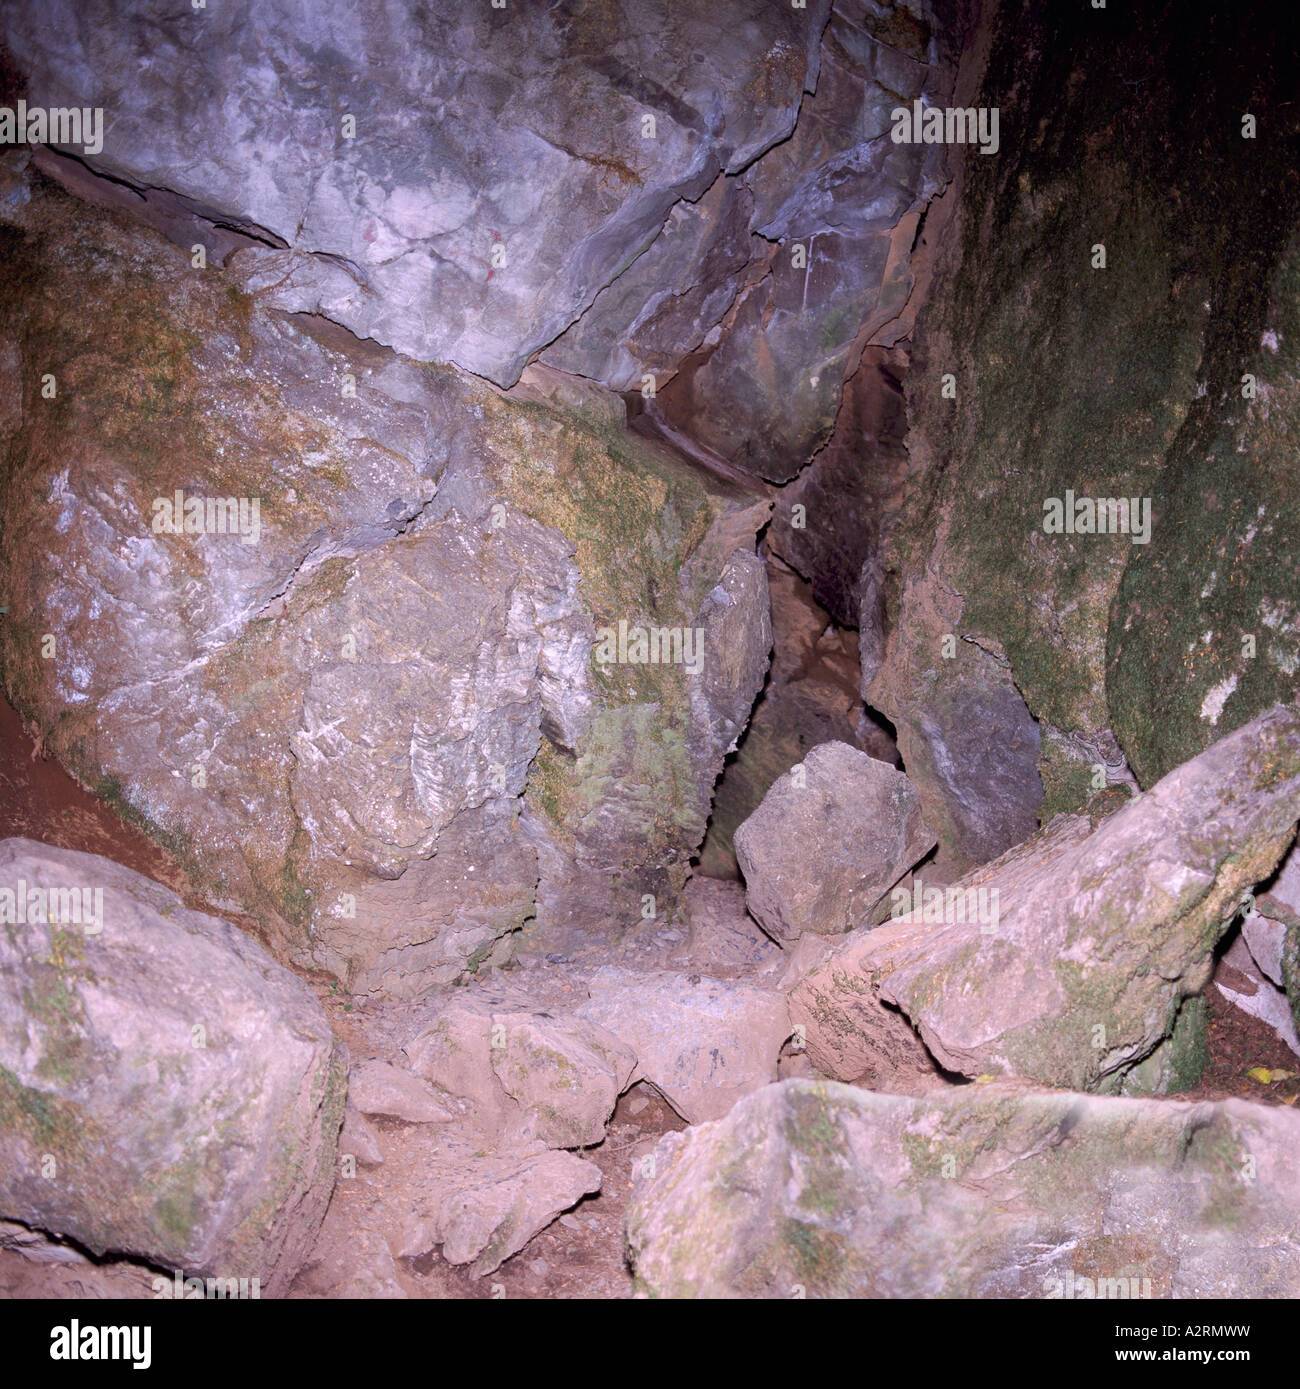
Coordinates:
[1069,959]
[820,1190]
[376,710]
[166,1089]
[830,838]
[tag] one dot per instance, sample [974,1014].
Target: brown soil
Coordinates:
[39,800]
[1237,1044]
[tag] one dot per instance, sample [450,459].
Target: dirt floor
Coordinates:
[581,1254]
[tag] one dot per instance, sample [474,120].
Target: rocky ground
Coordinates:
[376,1214]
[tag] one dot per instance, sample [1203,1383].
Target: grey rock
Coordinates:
[671,297]
[1241,981]
[767,397]
[617,824]
[1265,939]
[519,129]
[339,725]
[1273,931]
[965,733]
[811,697]
[820,1190]
[828,841]
[185,1085]
[767,393]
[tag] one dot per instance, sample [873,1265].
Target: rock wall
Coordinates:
[1088,331]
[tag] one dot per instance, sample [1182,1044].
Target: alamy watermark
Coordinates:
[1073,515]
[1077,1287]
[182,515]
[54,906]
[651,646]
[950,906]
[77,1342]
[920,124]
[178,1288]
[53,125]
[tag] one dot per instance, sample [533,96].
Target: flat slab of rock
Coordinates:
[358,1139]
[530,1076]
[1240,980]
[186,1085]
[1265,938]
[820,1190]
[1077,969]
[490,1208]
[701,1042]
[376,1087]
[829,839]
